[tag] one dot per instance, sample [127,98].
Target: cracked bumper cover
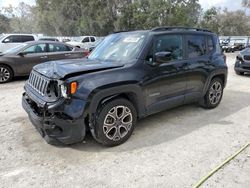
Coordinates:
[61,123]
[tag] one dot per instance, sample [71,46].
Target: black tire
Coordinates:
[6,74]
[213,95]
[114,132]
[239,73]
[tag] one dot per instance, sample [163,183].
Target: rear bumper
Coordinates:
[55,125]
[238,69]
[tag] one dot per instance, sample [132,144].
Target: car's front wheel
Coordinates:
[114,122]
[6,74]
[214,94]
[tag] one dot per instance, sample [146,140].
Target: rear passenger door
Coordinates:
[198,54]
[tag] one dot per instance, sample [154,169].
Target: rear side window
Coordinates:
[92,39]
[196,45]
[59,48]
[26,38]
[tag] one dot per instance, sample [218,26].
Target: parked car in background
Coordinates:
[98,41]
[242,63]
[66,40]
[20,60]
[49,39]
[227,46]
[86,42]
[141,73]
[8,41]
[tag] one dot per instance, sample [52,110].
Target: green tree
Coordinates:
[234,23]
[4,24]
[210,19]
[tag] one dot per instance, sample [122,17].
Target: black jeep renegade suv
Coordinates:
[129,75]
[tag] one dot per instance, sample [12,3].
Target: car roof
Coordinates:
[45,41]
[21,34]
[179,30]
[48,38]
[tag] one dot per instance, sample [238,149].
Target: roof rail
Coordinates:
[173,28]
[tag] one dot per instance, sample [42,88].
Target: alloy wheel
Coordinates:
[4,74]
[215,93]
[117,123]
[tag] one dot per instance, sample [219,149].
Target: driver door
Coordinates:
[166,82]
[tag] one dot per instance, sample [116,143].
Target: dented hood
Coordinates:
[63,68]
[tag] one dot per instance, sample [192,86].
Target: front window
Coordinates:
[86,39]
[169,43]
[38,48]
[119,47]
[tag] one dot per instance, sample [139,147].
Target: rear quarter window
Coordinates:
[210,44]
[59,48]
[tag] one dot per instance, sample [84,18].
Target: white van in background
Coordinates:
[8,41]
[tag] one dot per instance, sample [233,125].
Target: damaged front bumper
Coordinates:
[61,122]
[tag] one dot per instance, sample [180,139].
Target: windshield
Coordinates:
[77,39]
[15,49]
[1,37]
[119,47]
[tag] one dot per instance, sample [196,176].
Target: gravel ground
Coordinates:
[175,148]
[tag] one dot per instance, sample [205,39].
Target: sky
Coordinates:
[205,4]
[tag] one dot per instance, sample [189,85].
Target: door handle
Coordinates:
[67,55]
[44,57]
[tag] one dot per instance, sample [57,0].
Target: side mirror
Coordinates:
[163,57]
[22,53]
[6,40]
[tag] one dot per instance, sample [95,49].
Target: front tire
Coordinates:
[114,122]
[6,74]
[213,95]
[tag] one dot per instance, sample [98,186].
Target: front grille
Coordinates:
[246,57]
[38,83]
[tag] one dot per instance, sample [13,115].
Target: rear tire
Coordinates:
[114,122]
[213,95]
[239,73]
[6,74]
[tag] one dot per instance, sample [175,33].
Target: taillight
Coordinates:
[86,53]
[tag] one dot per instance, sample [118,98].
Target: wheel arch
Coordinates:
[130,92]
[222,74]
